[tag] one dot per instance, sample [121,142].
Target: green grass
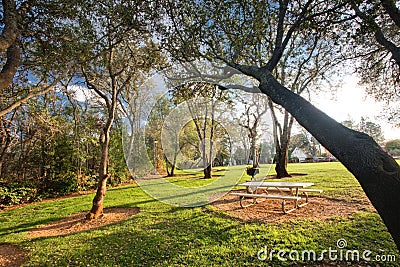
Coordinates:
[164,235]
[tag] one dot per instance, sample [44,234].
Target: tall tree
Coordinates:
[304,66]
[232,34]
[122,51]
[255,107]
[202,101]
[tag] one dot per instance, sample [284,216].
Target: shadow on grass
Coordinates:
[25,226]
[183,237]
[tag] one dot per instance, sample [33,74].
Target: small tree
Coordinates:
[122,51]
[255,107]
[202,102]
[393,147]
[366,126]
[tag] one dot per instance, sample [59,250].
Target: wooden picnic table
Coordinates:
[294,191]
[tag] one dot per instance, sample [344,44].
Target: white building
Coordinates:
[300,154]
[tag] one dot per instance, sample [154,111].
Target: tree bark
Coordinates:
[98,200]
[377,172]
[281,140]
[10,68]
[281,161]
[207,172]
[9,43]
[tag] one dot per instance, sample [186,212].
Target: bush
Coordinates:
[10,196]
[87,182]
[61,184]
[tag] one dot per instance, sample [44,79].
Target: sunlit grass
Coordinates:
[163,235]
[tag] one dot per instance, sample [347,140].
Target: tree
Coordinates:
[202,100]
[40,43]
[306,142]
[255,107]
[375,33]
[6,138]
[305,64]
[234,36]
[393,147]
[371,128]
[162,128]
[124,49]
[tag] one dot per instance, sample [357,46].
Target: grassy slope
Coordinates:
[162,235]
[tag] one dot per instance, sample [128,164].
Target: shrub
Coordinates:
[14,196]
[61,184]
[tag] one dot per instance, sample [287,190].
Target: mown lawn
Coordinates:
[164,235]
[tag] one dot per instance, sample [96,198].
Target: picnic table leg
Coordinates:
[306,195]
[243,204]
[296,205]
[288,211]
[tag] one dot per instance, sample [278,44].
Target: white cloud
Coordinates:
[80,93]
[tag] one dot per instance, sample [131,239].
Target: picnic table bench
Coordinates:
[294,190]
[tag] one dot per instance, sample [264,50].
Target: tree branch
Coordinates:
[10,68]
[392,10]
[10,20]
[30,95]
[379,35]
[281,45]
[90,85]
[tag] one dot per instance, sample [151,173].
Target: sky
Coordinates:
[351,102]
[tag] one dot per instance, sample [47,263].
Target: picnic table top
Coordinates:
[277,184]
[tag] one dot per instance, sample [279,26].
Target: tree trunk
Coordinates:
[167,164]
[281,161]
[281,139]
[98,201]
[207,172]
[4,151]
[375,170]
[174,163]
[170,167]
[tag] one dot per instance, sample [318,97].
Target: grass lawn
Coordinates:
[164,235]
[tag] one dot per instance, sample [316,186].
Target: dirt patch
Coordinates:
[11,255]
[319,208]
[76,222]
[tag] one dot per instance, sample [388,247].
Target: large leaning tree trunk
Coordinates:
[375,170]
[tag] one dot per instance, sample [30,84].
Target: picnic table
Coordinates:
[293,191]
